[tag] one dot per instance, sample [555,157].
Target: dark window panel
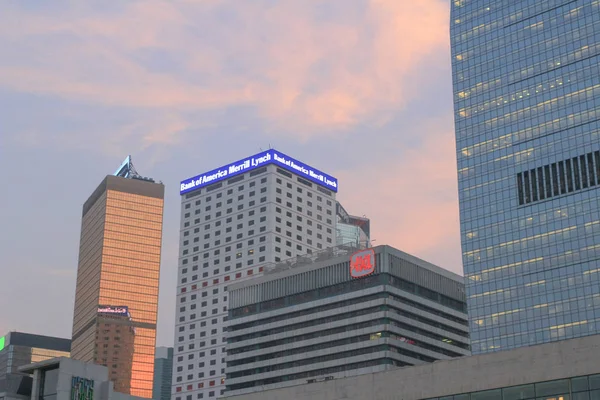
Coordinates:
[569,170]
[584,172]
[527,187]
[548,181]
[576,175]
[555,186]
[591,172]
[563,184]
[597,158]
[534,186]
[520,189]
[540,179]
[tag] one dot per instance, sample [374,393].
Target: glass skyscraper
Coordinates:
[163,373]
[526,80]
[116,298]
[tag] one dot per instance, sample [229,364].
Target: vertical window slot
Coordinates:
[548,181]
[540,179]
[520,188]
[576,175]
[527,187]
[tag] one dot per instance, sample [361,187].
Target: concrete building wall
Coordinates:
[569,358]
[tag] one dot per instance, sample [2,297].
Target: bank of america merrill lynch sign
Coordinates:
[362,263]
[256,161]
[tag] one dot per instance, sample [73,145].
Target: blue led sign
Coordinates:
[259,160]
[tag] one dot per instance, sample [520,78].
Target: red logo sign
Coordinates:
[362,263]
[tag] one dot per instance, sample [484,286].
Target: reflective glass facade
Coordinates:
[350,229]
[119,265]
[163,373]
[526,80]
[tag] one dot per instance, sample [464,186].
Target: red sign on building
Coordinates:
[362,263]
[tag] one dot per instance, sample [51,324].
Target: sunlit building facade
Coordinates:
[527,106]
[116,299]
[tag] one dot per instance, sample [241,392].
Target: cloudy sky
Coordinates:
[360,89]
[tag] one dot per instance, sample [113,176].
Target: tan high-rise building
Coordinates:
[116,299]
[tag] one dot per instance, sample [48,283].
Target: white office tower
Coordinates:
[235,220]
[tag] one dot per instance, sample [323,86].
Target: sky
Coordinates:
[360,89]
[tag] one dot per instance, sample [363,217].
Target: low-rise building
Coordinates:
[342,312]
[19,348]
[66,379]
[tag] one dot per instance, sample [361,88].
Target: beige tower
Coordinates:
[116,299]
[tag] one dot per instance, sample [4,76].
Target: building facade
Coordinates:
[163,373]
[116,299]
[351,229]
[526,95]
[18,349]
[565,370]
[235,220]
[342,312]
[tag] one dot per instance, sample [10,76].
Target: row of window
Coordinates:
[355,285]
[266,355]
[559,178]
[228,239]
[218,214]
[201,364]
[258,332]
[231,181]
[226,278]
[240,198]
[316,372]
[302,181]
[321,359]
[219,204]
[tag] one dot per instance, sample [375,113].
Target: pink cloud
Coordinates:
[412,200]
[300,73]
